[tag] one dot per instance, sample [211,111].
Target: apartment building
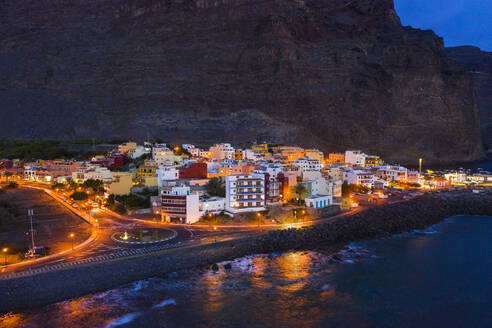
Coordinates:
[179,205]
[245,193]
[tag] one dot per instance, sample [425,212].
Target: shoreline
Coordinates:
[47,288]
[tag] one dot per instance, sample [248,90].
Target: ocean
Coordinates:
[438,277]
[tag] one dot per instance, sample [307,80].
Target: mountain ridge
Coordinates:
[327,74]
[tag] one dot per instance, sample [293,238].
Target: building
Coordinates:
[315,154]
[392,173]
[360,177]
[372,161]
[147,169]
[213,205]
[121,183]
[194,171]
[162,155]
[319,201]
[355,157]
[127,147]
[290,154]
[336,158]
[60,167]
[37,173]
[92,172]
[334,187]
[165,174]
[222,151]
[307,164]
[138,152]
[260,148]
[111,160]
[245,193]
[179,205]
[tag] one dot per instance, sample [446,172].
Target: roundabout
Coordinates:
[141,235]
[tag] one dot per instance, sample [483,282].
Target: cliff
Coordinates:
[334,74]
[479,64]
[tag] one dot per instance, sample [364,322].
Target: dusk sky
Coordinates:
[459,22]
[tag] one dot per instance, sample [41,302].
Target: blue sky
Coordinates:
[459,22]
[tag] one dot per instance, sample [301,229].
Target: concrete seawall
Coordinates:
[39,290]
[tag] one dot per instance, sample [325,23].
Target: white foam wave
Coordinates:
[165,303]
[127,318]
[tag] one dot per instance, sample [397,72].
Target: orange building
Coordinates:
[336,158]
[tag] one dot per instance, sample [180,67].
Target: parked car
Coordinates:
[37,251]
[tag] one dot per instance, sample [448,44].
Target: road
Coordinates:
[103,246]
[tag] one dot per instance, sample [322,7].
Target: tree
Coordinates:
[300,190]
[79,195]
[120,208]
[345,189]
[215,187]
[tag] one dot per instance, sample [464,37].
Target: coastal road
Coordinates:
[102,245]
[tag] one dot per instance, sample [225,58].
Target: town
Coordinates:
[262,184]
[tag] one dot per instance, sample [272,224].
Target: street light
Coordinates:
[5,250]
[420,165]
[259,216]
[71,236]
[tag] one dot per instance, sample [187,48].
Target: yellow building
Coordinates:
[148,181]
[372,160]
[147,169]
[261,148]
[121,183]
[315,154]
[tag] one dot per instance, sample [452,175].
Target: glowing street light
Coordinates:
[71,237]
[420,165]
[259,216]
[5,250]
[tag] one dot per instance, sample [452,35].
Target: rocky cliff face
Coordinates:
[479,64]
[334,74]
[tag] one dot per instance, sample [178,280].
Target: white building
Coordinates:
[213,205]
[179,205]
[392,173]
[162,155]
[334,187]
[355,157]
[251,155]
[95,172]
[166,173]
[319,201]
[222,151]
[138,151]
[307,164]
[245,193]
[359,177]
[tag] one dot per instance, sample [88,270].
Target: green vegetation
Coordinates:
[95,184]
[79,195]
[133,202]
[215,187]
[215,219]
[32,150]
